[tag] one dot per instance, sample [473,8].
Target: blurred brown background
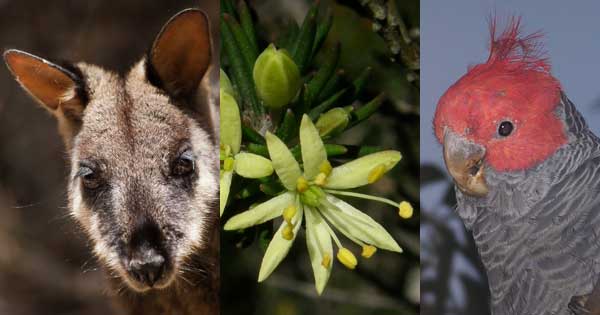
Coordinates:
[46,266]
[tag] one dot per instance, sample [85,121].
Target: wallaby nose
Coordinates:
[147,265]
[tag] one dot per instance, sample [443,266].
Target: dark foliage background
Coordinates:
[387,283]
[46,265]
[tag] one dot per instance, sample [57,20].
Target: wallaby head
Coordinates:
[144,175]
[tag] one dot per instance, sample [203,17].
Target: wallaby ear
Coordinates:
[181,53]
[56,88]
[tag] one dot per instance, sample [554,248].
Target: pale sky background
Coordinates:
[454,35]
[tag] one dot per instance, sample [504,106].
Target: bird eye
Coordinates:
[184,165]
[89,178]
[505,128]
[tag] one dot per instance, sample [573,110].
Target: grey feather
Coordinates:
[538,230]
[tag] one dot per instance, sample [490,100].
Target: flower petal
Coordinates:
[356,173]
[285,165]
[224,185]
[279,247]
[225,83]
[313,150]
[356,224]
[252,165]
[318,242]
[231,125]
[261,213]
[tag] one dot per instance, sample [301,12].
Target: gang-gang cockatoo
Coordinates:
[527,175]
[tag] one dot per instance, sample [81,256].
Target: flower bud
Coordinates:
[332,122]
[276,77]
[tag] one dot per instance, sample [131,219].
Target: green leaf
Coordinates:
[246,49]
[325,105]
[360,82]
[239,68]
[261,213]
[355,224]
[252,165]
[333,85]
[356,173]
[224,186]
[248,25]
[285,165]
[279,247]
[367,110]
[318,242]
[313,151]
[231,134]
[288,126]
[259,149]
[321,33]
[251,135]
[227,7]
[325,72]
[302,49]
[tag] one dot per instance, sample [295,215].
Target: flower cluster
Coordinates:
[275,113]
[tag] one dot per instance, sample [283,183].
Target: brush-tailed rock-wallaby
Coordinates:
[144,166]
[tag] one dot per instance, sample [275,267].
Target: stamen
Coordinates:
[376,173]
[289,213]
[368,251]
[325,168]
[346,257]
[288,232]
[228,164]
[301,184]
[326,262]
[321,179]
[226,149]
[363,196]
[405,210]
[333,236]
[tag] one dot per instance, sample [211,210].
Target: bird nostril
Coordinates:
[474,169]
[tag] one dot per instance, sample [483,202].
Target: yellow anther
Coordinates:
[326,262]
[325,168]
[228,164]
[288,232]
[226,149]
[405,210]
[289,213]
[321,179]
[301,184]
[376,173]
[346,257]
[368,251]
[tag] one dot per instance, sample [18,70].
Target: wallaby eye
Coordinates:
[505,128]
[184,165]
[89,177]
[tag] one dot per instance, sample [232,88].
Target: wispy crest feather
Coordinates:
[512,47]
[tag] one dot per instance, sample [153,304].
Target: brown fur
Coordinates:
[127,136]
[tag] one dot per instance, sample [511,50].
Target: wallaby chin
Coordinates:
[144,166]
